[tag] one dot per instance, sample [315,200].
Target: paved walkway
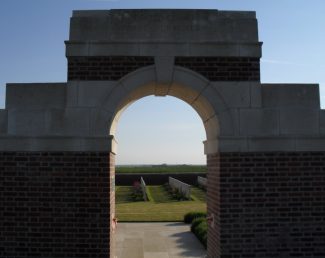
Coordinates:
[157,240]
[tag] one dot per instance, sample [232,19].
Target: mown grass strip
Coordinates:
[123,194]
[161,207]
[162,169]
[156,212]
[197,194]
[159,194]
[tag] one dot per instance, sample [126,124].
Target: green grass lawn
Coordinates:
[162,169]
[161,207]
[198,194]
[123,194]
[159,194]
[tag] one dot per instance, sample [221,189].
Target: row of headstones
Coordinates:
[202,182]
[183,188]
[143,188]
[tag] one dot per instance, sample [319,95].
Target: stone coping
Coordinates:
[94,13]
[57,143]
[158,48]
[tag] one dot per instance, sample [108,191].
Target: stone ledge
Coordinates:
[36,95]
[25,143]
[3,121]
[230,13]
[290,95]
[271,144]
[265,144]
[310,144]
[204,48]
[223,144]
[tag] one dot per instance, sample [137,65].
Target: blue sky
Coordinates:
[32,49]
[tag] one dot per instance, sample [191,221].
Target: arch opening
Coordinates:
[159,196]
[196,91]
[159,130]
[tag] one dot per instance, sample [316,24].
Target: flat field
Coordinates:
[162,169]
[161,207]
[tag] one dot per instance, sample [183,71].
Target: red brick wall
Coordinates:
[115,67]
[213,203]
[112,203]
[54,204]
[105,67]
[59,204]
[271,204]
[223,68]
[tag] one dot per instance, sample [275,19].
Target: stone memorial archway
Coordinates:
[265,143]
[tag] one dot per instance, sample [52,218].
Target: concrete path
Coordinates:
[157,240]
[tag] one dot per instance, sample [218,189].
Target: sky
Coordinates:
[158,130]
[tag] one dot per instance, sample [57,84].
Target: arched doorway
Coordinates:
[194,90]
[158,138]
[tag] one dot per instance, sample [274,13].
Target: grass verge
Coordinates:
[161,208]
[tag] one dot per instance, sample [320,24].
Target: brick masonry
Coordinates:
[271,204]
[116,67]
[223,68]
[213,204]
[60,204]
[112,203]
[108,68]
[55,204]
